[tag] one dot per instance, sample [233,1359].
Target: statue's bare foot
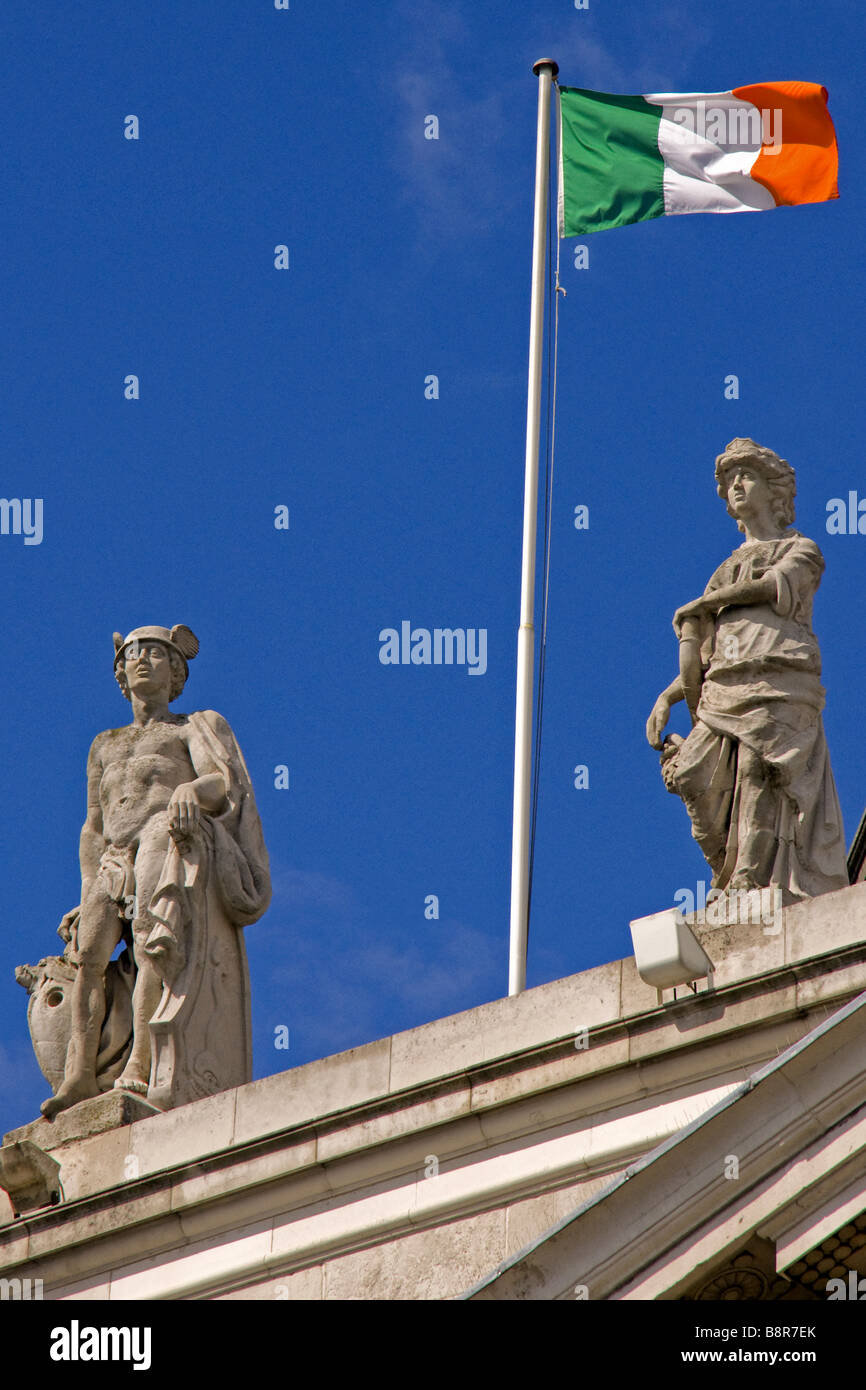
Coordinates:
[70,1093]
[131,1083]
[135,1076]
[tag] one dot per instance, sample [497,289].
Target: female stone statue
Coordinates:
[754,772]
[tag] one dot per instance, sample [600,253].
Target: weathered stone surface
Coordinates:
[424,1265]
[506,1025]
[304,1285]
[97,1164]
[754,773]
[291,1097]
[636,995]
[393,1124]
[166,1143]
[527,1219]
[584,1055]
[83,1291]
[743,950]
[250,1246]
[86,1119]
[830,922]
[284,1161]
[568,1199]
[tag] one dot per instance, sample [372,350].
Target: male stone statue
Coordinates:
[754,772]
[171,850]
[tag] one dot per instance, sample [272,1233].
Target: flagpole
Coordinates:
[545,70]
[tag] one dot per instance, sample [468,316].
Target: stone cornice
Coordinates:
[328,1157]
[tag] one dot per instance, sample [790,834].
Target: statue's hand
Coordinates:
[184,811]
[657,722]
[69,925]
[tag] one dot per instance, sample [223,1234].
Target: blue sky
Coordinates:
[305,387]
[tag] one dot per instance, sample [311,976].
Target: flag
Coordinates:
[630,158]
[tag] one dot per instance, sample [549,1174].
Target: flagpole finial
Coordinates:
[546,63]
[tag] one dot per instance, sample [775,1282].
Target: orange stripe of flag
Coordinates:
[805,168]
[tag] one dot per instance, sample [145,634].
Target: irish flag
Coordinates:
[629,158]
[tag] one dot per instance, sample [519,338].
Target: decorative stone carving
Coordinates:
[173,865]
[49,1016]
[735,1284]
[30,1176]
[754,773]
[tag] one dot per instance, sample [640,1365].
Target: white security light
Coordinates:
[667,952]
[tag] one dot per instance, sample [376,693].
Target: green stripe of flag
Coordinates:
[611,170]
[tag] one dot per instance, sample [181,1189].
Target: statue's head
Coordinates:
[776,474]
[153,658]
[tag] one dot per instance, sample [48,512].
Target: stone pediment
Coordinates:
[762,1197]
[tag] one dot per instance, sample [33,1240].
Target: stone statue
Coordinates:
[754,772]
[173,864]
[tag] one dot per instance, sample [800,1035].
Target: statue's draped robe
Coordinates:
[212,886]
[762,690]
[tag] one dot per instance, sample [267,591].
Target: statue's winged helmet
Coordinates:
[179,639]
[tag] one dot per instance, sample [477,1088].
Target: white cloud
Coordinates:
[478,174]
[332,977]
